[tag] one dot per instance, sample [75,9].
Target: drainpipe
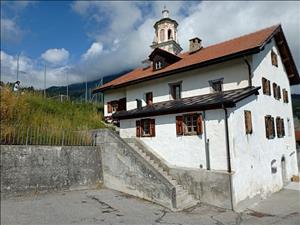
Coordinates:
[227,140]
[228,156]
[249,72]
[206,141]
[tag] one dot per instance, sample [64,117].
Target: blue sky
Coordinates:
[97,38]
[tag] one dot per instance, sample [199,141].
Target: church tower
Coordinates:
[166,34]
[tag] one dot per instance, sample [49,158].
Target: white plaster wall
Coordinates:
[185,151]
[234,72]
[112,95]
[252,154]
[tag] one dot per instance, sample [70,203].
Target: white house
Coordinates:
[224,107]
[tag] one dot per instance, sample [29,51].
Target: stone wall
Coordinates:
[126,171]
[35,168]
[211,187]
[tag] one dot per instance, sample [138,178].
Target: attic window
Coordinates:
[217,85]
[158,65]
[274,58]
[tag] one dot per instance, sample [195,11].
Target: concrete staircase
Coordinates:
[184,200]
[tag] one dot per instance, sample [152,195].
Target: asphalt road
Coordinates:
[106,207]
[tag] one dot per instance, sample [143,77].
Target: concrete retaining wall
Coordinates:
[211,187]
[126,171]
[28,168]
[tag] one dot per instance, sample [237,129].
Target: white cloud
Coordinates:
[95,50]
[31,72]
[56,56]
[10,31]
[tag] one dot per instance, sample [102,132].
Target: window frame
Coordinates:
[147,96]
[274,58]
[270,131]
[196,124]
[172,90]
[193,124]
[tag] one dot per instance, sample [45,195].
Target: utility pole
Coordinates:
[18,66]
[45,81]
[67,85]
[86,89]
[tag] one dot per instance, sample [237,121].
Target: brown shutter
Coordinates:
[152,127]
[264,84]
[275,90]
[278,92]
[109,107]
[248,122]
[269,87]
[199,125]
[282,127]
[267,126]
[273,127]
[122,104]
[138,128]
[179,125]
[278,126]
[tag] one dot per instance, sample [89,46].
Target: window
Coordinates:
[170,34]
[158,65]
[145,128]
[112,106]
[149,98]
[274,58]
[175,90]
[189,124]
[270,129]
[285,96]
[217,85]
[248,122]
[266,86]
[275,91]
[280,127]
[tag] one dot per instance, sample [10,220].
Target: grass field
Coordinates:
[30,109]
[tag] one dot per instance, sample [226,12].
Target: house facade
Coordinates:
[225,107]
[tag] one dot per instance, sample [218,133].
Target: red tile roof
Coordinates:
[243,44]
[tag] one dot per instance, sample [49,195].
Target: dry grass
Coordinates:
[30,109]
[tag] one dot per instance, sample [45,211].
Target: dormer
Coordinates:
[161,59]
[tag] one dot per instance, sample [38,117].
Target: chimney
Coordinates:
[195,45]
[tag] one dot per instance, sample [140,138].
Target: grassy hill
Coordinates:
[30,109]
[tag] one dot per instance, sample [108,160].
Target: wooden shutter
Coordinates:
[272,127]
[267,126]
[199,125]
[179,125]
[278,92]
[109,107]
[248,122]
[282,127]
[269,87]
[278,127]
[265,85]
[152,127]
[275,90]
[122,104]
[138,128]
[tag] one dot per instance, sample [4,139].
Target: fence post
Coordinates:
[27,136]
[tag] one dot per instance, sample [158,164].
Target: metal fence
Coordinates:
[46,136]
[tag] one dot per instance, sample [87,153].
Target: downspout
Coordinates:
[227,140]
[228,157]
[249,72]
[206,142]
